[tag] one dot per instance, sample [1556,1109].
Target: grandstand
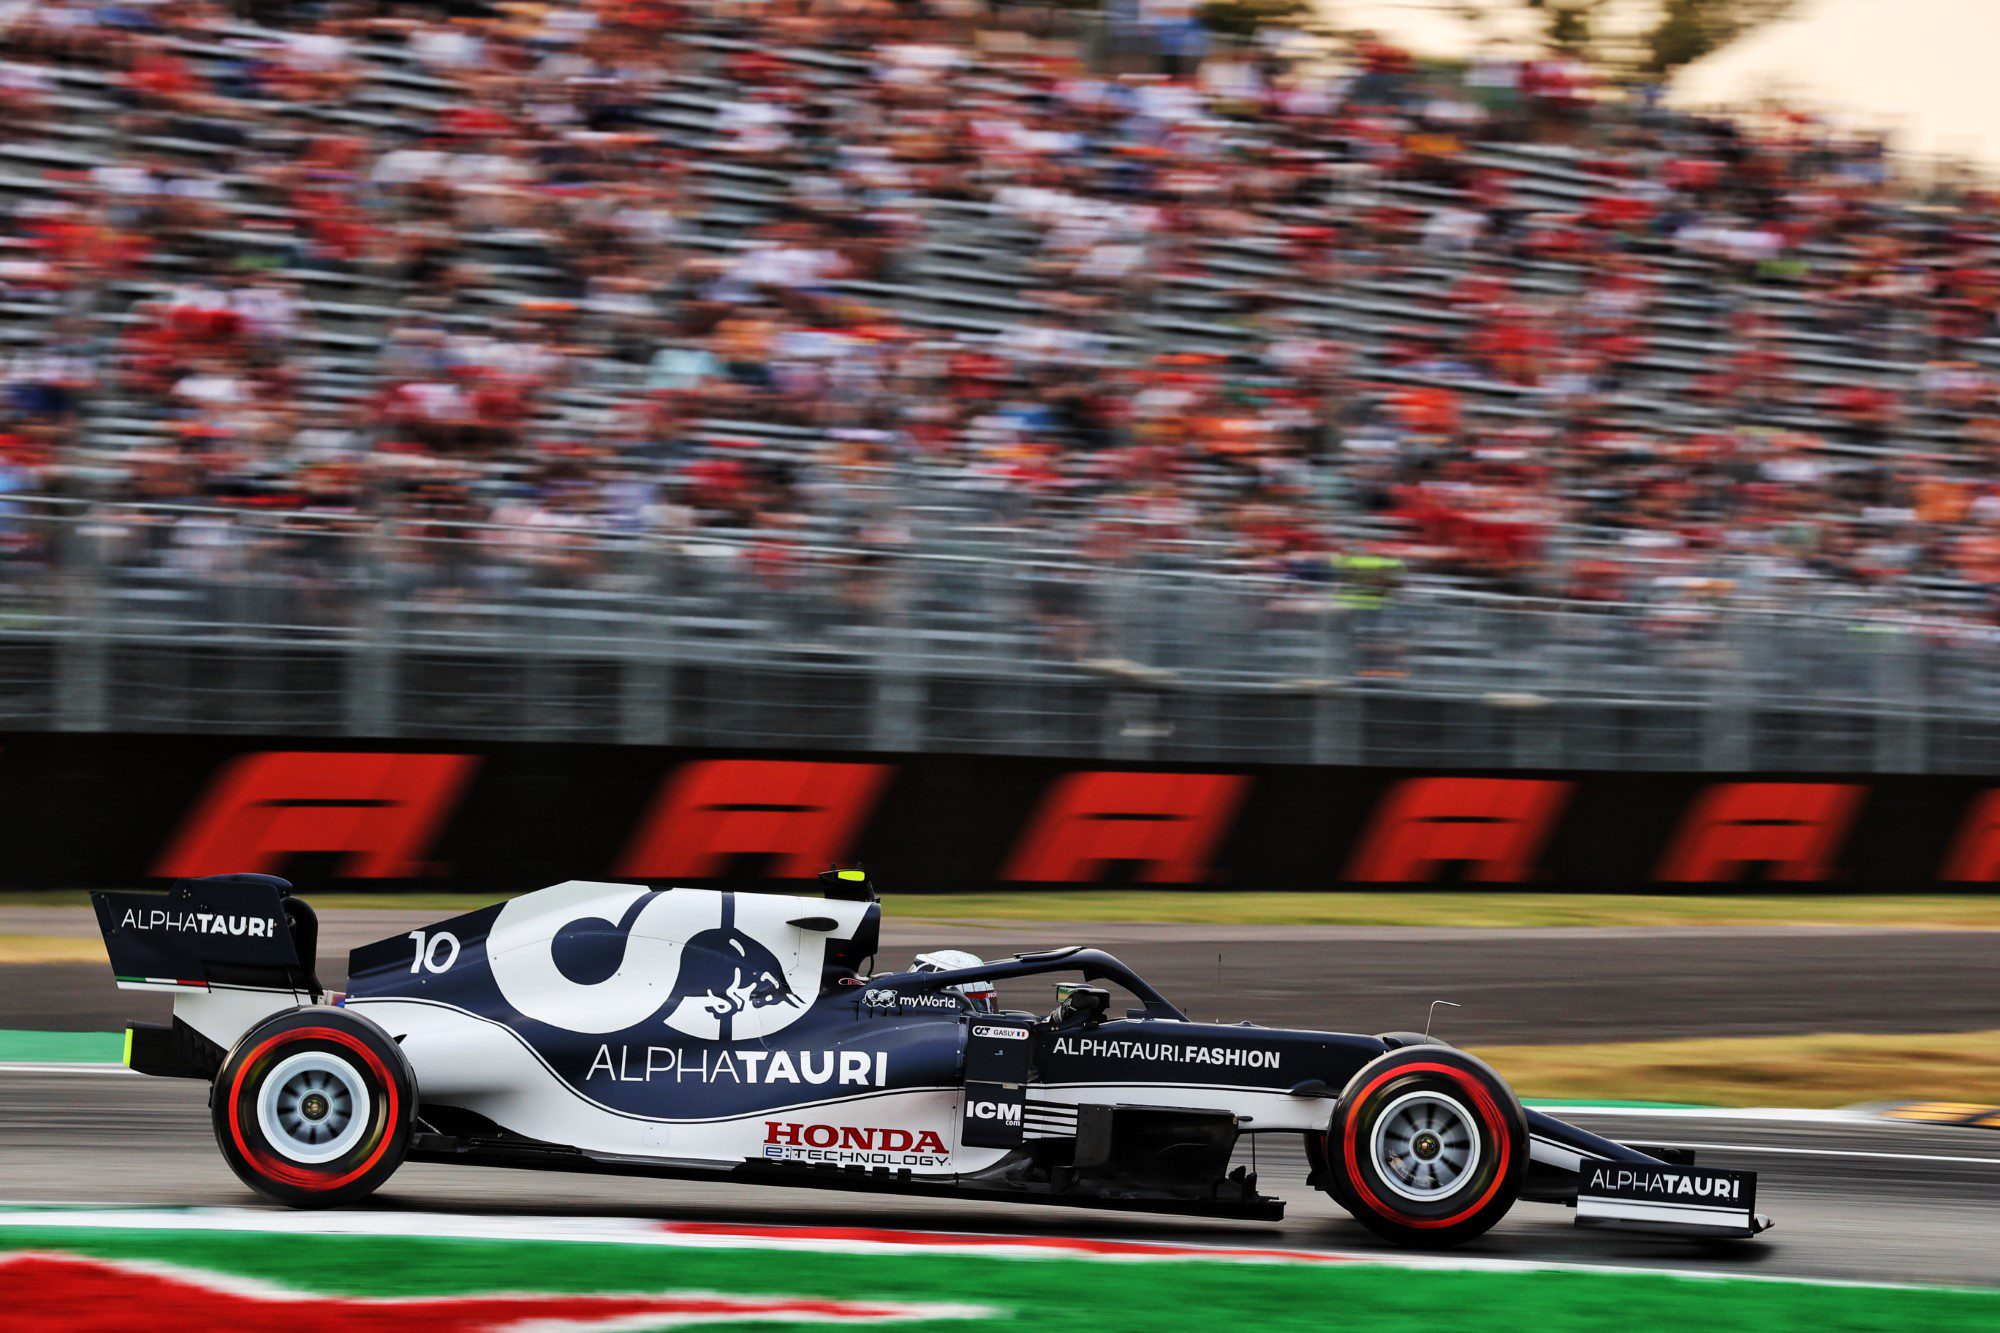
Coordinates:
[953,375]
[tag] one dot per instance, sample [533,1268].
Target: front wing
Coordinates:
[1618,1186]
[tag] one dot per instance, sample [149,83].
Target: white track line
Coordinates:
[59,1067]
[1790,1115]
[1841,1152]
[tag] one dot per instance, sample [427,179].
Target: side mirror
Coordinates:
[1083,1004]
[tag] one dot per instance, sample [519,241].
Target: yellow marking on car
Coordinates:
[127,1058]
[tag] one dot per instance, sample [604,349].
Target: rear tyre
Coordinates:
[1427,1147]
[314,1107]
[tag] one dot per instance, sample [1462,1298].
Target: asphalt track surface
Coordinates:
[1541,985]
[1857,1200]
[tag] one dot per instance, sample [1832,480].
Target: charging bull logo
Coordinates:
[725,974]
[602,958]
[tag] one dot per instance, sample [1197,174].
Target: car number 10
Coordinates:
[437,955]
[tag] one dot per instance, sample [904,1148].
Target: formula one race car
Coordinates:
[699,1034]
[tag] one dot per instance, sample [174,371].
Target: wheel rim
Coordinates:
[1425,1146]
[313,1107]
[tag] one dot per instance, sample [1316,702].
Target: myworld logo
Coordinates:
[879,997]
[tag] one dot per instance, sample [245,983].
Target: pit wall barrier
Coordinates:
[98,810]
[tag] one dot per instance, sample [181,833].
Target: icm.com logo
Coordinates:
[999,1112]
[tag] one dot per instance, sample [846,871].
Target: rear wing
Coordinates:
[231,949]
[238,932]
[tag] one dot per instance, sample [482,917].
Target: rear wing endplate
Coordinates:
[237,932]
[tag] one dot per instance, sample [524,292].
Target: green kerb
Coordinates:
[69,1048]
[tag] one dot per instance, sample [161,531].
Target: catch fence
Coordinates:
[151,618]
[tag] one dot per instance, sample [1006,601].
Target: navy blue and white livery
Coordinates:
[692,1033]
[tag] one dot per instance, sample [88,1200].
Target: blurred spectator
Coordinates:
[854,278]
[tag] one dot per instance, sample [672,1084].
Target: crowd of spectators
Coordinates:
[777,268]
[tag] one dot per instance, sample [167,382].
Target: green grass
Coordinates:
[1498,909]
[1051,1293]
[1488,909]
[1817,1069]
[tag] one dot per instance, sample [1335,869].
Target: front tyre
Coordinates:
[1427,1147]
[314,1107]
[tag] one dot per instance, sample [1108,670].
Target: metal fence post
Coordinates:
[896,701]
[1536,717]
[82,683]
[1336,714]
[1899,728]
[646,675]
[369,701]
[1726,721]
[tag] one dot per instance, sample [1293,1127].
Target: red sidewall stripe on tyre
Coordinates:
[1489,1111]
[284,1172]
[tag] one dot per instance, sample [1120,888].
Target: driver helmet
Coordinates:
[979,994]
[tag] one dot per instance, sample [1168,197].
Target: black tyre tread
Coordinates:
[1330,1163]
[397,1127]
